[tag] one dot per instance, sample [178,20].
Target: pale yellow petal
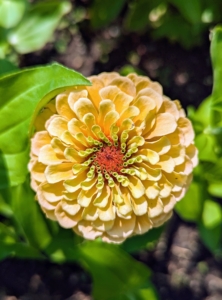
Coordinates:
[56,173]
[155,207]
[48,156]
[143,224]
[40,139]
[84,106]
[165,124]
[65,219]
[122,227]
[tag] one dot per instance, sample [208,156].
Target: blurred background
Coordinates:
[166,40]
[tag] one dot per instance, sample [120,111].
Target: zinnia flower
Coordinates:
[112,159]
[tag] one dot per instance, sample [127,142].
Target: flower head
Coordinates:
[111,160]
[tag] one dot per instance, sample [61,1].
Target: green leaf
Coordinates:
[138,13]
[190,207]
[38,25]
[144,241]
[19,250]
[103,12]
[206,145]
[211,237]
[116,275]
[6,67]
[11,12]
[215,189]
[29,91]
[29,216]
[212,214]
[191,10]
[216,57]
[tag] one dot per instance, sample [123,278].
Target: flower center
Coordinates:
[109,159]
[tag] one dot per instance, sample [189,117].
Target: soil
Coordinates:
[182,267]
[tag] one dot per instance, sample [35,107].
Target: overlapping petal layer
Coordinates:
[111,160]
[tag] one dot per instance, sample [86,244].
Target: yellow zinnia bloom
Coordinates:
[112,159]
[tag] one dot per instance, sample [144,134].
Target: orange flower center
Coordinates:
[109,159]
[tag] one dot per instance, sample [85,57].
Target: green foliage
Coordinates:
[25,28]
[11,12]
[104,12]
[131,281]
[37,26]
[199,205]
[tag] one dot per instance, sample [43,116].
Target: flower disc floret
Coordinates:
[112,159]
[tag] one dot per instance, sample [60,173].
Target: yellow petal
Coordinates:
[56,173]
[143,224]
[109,120]
[65,219]
[87,230]
[153,174]
[75,126]
[107,213]
[74,96]
[136,187]
[122,227]
[48,156]
[168,203]
[165,124]
[161,146]
[93,90]
[84,106]
[152,189]
[57,126]
[102,197]
[186,126]
[107,77]
[129,112]
[192,152]
[150,93]
[73,184]
[109,92]
[90,213]
[102,225]
[85,197]
[122,101]
[63,107]
[71,208]
[105,107]
[170,107]
[37,171]
[40,139]
[145,105]
[125,85]
[166,163]
[139,205]
[155,207]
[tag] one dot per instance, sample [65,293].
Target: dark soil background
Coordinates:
[182,267]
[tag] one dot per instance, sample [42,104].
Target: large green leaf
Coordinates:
[11,12]
[116,275]
[22,95]
[29,216]
[38,25]
[103,12]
